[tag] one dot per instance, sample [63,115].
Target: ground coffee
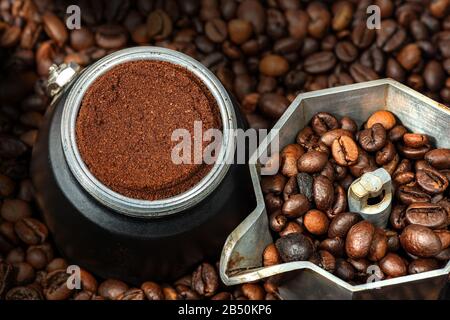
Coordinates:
[125,124]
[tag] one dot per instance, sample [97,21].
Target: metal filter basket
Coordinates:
[241,259]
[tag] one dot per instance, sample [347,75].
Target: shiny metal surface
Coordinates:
[137,207]
[241,259]
[371,185]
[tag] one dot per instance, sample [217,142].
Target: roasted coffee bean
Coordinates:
[415,140]
[413,153]
[56,286]
[239,30]
[374,138]
[24,293]
[409,56]
[56,264]
[404,178]
[420,241]
[404,166]
[398,217]
[386,154]
[31,231]
[409,195]
[253,11]
[6,277]
[320,62]
[422,265]
[393,265]
[296,206]
[359,239]
[294,247]
[434,75]
[393,241]
[349,124]
[422,164]
[326,261]
[152,291]
[346,51]
[361,73]
[253,291]
[55,28]
[132,294]
[11,147]
[362,36]
[345,151]
[111,289]
[329,137]
[111,37]
[216,30]
[444,236]
[365,163]
[390,36]
[342,223]
[328,171]
[340,202]
[323,122]
[290,155]
[383,117]
[316,222]
[431,180]
[305,185]
[277,221]
[273,184]
[273,65]
[273,202]
[205,280]
[323,193]
[13,210]
[439,158]
[290,188]
[271,256]
[344,270]
[159,25]
[379,245]
[273,105]
[426,214]
[291,227]
[334,245]
[397,133]
[312,161]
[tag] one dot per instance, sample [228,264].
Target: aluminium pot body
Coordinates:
[241,259]
[133,241]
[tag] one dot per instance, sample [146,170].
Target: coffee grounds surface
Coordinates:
[125,124]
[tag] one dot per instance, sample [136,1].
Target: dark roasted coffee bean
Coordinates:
[305,185]
[439,158]
[374,138]
[362,36]
[253,11]
[11,147]
[111,37]
[296,206]
[434,76]
[56,287]
[24,293]
[340,202]
[420,241]
[294,247]
[273,202]
[290,188]
[13,210]
[277,221]
[422,265]
[395,71]
[379,245]
[273,105]
[31,231]
[426,214]
[393,265]
[361,73]
[111,289]
[323,122]
[312,161]
[291,227]
[205,280]
[55,28]
[319,19]
[347,123]
[404,178]
[346,51]
[323,193]
[390,36]
[132,294]
[444,236]
[273,184]
[409,56]
[342,223]
[216,30]
[409,195]
[159,25]
[393,241]
[333,245]
[320,62]
[345,151]
[359,239]
[386,154]
[344,270]
[398,217]
[152,291]
[431,180]
[365,163]
[413,153]
[290,155]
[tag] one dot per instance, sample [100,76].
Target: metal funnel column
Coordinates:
[371,196]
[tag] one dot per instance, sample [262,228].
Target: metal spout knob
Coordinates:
[60,76]
[371,197]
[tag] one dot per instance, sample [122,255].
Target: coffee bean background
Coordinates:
[264,52]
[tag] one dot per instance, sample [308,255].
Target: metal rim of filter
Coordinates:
[137,207]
